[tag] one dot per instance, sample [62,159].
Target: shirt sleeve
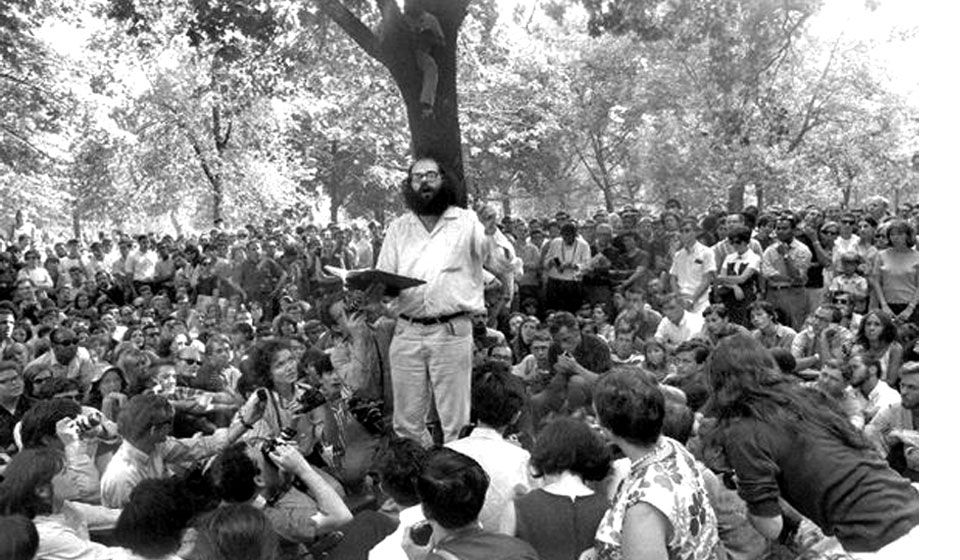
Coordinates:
[767,265]
[749,451]
[82,474]
[193,449]
[709,261]
[387,261]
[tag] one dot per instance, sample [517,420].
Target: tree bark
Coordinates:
[395,47]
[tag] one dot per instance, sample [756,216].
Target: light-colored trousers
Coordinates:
[431,360]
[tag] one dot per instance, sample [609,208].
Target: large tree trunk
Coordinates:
[395,47]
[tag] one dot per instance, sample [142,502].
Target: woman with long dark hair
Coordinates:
[786,442]
[877,337]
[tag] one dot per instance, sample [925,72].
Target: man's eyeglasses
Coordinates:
[67,343]
[429,175]
[848,222]
[831,232]
[190,361]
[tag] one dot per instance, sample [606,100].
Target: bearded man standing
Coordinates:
[432,349]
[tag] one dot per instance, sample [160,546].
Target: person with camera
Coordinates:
[452,488]
[274,476]
[271,371]
[75,431]
[148,451]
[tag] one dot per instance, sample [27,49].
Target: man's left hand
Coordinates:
[488,217]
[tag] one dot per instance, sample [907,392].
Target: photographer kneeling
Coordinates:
[274,475]
[452,487]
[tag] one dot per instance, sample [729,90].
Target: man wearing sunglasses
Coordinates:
[65,359]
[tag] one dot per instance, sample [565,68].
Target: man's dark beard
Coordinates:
[436,206]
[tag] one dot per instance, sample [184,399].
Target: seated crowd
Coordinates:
[735,385]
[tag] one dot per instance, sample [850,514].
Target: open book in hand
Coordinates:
[362,279]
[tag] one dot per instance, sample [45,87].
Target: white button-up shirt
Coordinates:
[507,465]
[450,259]
[671,333]
[130,465]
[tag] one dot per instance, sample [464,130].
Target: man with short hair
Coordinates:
[62,424]
[678,325]
[717,324]
[262,279]
[724,247]
[529,282]
[8,319]
[784,266]
[534,368]
[823,339]
[875,395]
[576,360]
[148,451]
[65,359]
[263,476]
[897,427]
[452,489]
[693,268]
[638,315]
[834,380]
[13,403]
[141,265]
[448,247]
[565,260]
[690,378]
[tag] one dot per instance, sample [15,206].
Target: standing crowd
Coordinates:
[636,384]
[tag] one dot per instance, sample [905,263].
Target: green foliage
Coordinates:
[242,108]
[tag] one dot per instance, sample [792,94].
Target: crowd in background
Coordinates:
[224,395]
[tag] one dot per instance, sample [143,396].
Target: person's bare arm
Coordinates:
[646,532]
[331,511]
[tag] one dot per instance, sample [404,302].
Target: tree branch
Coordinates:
[809,118]
[18,137]
[353,27]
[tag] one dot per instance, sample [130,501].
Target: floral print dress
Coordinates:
[667,479]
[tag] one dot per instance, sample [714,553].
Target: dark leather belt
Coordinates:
[434,320]
[788,287]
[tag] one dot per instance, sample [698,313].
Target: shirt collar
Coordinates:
[485,433]
[133,453]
